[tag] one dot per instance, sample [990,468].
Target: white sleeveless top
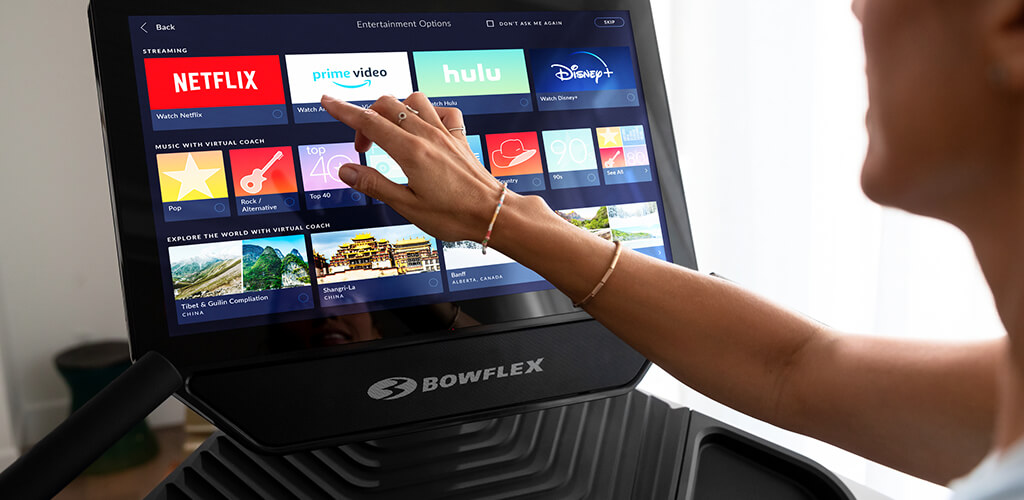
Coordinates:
[998,477]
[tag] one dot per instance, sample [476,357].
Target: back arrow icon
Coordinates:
[143,27]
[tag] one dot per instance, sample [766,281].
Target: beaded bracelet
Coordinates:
[607,274]
[490,227]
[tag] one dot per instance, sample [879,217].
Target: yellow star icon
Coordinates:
[193,182]
[610,137]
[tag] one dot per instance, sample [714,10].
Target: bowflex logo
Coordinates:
[392,388]
[208,82]
[399,387]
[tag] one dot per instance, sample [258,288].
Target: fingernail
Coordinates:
[348,175]
[326,97]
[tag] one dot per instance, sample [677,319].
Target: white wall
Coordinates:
[8,431]
[58,263]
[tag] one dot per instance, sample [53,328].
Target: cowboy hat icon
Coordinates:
[512,152]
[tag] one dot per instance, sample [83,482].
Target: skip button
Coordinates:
[609,22]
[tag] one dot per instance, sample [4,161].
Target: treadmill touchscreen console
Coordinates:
[253,225]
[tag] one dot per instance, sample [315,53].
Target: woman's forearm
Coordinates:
[716,337]
[893,401]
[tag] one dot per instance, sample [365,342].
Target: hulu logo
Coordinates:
[472,75]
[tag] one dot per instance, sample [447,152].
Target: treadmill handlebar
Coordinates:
[64,453]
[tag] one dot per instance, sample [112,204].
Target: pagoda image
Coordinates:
[366,256]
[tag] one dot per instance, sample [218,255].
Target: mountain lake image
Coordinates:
[636,225]
[463,254]
[591,219]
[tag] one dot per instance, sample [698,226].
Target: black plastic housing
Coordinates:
[633,446]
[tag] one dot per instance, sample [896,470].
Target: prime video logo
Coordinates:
[350,78]
[393,388]
[574,72]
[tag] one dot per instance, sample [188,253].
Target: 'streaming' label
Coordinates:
[357,78]
[210,92]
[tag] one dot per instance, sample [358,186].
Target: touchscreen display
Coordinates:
[255,228]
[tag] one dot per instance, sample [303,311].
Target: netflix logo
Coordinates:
[185,82]
[178,83]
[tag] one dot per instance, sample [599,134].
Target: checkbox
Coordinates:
[490,23]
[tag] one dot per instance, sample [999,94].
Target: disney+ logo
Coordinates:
[576,72]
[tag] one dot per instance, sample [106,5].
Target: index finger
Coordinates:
[367,122]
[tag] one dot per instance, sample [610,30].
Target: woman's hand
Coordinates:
[450,194]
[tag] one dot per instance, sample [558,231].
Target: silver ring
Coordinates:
[413,110]
[401,117]
[460,129]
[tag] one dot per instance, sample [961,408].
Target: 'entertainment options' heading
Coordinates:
[390,25]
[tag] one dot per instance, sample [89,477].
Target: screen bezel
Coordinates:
[133,217]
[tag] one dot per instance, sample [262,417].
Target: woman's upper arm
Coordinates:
[923,407]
